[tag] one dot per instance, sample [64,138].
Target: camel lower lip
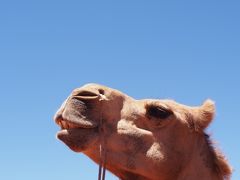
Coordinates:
[66,124]
[66,131]
[70,132]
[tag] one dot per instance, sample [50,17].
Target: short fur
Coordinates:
[145,139]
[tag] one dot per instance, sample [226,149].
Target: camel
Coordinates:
[148,139]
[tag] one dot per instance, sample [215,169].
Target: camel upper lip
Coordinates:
[67,124]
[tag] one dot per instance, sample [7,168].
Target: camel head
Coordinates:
[143,139]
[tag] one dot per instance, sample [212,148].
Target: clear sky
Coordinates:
[183,50]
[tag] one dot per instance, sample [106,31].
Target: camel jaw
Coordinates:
[77,136]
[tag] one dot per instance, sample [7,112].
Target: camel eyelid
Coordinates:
[158,111]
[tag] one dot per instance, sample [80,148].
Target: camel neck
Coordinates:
[200,163]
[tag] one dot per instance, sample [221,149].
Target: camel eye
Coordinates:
[158,112]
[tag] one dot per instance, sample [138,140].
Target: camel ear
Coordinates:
[204,115]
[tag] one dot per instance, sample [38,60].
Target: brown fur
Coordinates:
[145,139]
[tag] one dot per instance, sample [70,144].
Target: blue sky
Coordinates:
[183,50]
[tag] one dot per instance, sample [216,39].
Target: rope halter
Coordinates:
[102,144]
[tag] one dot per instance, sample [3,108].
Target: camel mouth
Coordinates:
[78,136]
[67,124]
